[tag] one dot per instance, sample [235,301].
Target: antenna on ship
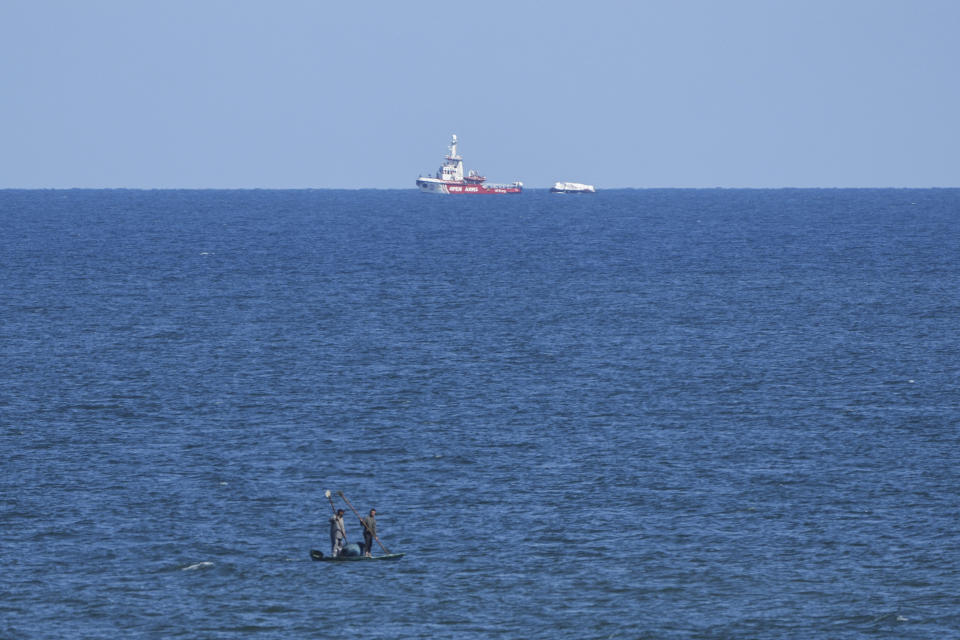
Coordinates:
[454,161]
[453,148]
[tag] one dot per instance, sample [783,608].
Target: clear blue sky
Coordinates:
[309,93]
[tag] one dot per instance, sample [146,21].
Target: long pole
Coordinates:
[340,493]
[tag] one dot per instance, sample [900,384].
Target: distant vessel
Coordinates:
[572,187]
[450,178]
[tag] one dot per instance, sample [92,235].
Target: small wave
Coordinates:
[198,565]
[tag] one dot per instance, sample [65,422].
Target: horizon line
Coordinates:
[414,189]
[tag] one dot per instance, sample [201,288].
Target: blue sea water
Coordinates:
[639,414]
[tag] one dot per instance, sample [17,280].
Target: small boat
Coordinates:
[318,555]
[572,187]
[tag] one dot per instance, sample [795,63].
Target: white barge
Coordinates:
[572,187]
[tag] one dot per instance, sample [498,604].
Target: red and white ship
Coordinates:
[450,178]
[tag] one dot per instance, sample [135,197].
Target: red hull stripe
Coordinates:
[452,188]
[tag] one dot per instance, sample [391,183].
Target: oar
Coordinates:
[334,509]
[340,493]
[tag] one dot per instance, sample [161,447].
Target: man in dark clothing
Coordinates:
[369,531]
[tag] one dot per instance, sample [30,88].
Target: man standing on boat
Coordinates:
[338,534]
[369,531]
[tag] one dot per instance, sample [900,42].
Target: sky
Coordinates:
[317,94]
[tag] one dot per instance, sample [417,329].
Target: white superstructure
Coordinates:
[452,168]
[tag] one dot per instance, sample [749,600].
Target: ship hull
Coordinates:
[432,185]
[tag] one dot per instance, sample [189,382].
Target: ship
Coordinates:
[450,179]
[572,187]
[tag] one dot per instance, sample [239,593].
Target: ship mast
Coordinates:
[453,167]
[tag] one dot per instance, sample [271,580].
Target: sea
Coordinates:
[663,414]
